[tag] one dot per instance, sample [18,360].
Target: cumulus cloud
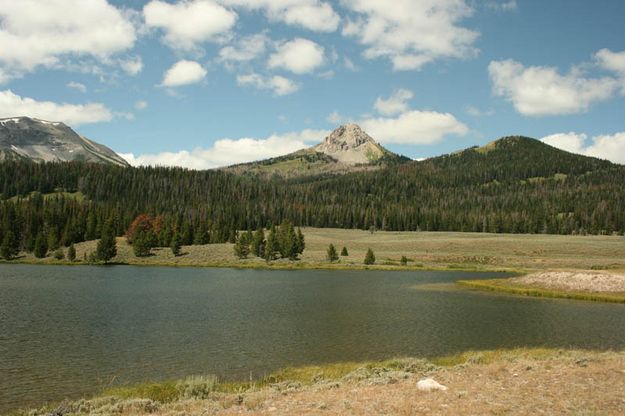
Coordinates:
[225,152]
[132,66]
[541,91]
[610,147]
[612,61]
[77,86]
[279,85]
[411,33]
[188,23]
[245,49]
[334,117]
[395,104]
[183,73]
[413,127]
[310,14]
[12,105]
[37,33]
[299,56]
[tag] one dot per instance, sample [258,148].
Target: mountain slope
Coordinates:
[346,149]
[24,138]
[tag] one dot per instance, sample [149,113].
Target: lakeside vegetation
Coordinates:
[507,376]
[507,286]
[423,251]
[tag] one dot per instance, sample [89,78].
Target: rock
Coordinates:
[429,384]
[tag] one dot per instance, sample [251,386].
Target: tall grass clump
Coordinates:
[197,387]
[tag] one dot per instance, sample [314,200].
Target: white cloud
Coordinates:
[502,5]
[335,117]
[77,86]
[541,91]
[395,104]
[279,85]
[612,61]
[183,73]
[476,112]
[299,56]
[411,33]
[46,33]
[610,147]
[141,105]
[189,23]
[132,66]
[245,49]
[413,127]
[225,152]
[12,105]
[310,14]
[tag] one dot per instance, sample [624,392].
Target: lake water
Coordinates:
[73,331]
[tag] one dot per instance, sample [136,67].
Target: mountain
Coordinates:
[346,149]
[45,141]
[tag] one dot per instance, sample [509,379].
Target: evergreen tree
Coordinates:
[344,252]
[301,243]
[258,243]
[404,260]
[8,249]
[369,257]
[242,246]
[41,247]
[272,248]
[53,238]
[331,254]
[141,243]
[288,241]
[59,254]
[107,245]
[176,245]
[71,253]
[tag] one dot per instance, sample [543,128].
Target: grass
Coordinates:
[426,250]
[505,286]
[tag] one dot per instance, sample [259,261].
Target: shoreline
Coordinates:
[476,380]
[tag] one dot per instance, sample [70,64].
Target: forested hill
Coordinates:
[515,185]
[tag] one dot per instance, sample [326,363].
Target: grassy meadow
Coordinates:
[424,250]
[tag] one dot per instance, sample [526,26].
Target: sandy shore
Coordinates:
[583,281]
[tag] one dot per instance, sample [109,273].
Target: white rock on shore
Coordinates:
[429,384]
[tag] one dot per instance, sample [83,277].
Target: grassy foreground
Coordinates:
[520,381]
[424,250]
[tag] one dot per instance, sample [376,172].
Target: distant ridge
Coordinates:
[25,138]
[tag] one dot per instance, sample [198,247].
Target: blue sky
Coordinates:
[204,83]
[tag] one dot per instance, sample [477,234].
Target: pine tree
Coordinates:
[288,241]
[176,244]
[71,253]
[331,254]
[301,243]
[370,257]
[41,247]
[344,252]
[258,243]
[242,246]
[8,249]
[141,243]
[59,254]
[272,248]
[107,245]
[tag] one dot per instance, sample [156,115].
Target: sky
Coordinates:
[208,83]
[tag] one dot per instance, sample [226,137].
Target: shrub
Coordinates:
[59,254]
[344,252]
[197,387]
[403,260]
[331,254]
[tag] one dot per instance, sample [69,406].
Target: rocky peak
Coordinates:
[349,144]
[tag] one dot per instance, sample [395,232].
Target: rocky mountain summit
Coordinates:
[47,141]
[349,144]
[347,149]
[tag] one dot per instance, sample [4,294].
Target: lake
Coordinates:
[73,331]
